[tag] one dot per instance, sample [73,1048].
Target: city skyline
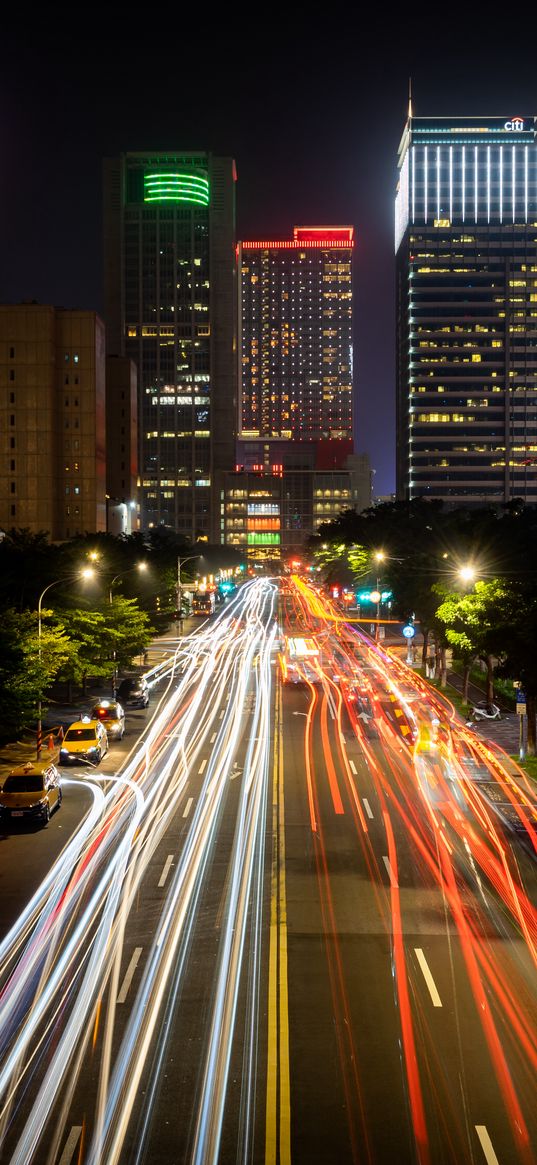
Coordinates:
[313,142]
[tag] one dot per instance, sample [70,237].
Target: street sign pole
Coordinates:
[521,708]
[409,632]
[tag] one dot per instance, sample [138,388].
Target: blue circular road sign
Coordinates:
[409,631]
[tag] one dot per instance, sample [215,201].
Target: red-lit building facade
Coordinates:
[295,344]
[295,390]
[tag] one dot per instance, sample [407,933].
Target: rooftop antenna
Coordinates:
[409,98]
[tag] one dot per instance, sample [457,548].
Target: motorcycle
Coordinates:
[483,711]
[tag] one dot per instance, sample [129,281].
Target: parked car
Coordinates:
[112,715]
[31,792]
[84,740]
[134,692]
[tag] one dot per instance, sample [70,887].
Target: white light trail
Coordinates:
[74,929]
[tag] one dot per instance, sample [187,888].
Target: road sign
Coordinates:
[409,631]
[521,703]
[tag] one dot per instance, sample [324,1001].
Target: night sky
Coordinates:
[311,104]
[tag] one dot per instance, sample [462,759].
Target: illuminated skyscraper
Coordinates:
[296,336]
[296,399]
[170,280]
[466,242]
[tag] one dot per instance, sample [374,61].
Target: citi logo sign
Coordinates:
[516,124]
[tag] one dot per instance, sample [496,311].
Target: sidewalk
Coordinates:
[504,732]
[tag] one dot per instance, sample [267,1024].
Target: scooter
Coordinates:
[483,711]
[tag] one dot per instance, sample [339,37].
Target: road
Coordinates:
[295,923]
[422,899]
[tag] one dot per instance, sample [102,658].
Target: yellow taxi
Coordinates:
[111,714]
[427,737]
[85,740]
[31,792]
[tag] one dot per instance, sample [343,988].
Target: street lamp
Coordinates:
[138,566]
[379,557]
[467,573]
[87,572]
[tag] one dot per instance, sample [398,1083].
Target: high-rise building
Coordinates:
[296,391]
[170,293]
[52,420]
[295,345]
[466,243]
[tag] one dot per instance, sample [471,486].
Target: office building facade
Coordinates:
[296,391]
[295,343]
[52,420]
[466,261]
[170,295]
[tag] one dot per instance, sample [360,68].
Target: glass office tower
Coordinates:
[466,244]
[170,279]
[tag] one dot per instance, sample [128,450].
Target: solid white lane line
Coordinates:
[387,863]
[367,808]
[486,1145]
[129,974]
[201,768]
[166,870]
[437,1002]
[70,1145]
[213,738]
[221,716]
[187,806]
[353,768]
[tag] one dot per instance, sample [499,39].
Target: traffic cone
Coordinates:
[51,742]
[60,734]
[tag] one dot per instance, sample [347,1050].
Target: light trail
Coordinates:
[454,799]
[67,951]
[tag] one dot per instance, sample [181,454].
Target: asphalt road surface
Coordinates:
[289,922]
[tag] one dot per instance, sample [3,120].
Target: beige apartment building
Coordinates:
[52,420]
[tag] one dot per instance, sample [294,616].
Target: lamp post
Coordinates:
[87,572]
[379,557]
[181,562]
[139,566]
